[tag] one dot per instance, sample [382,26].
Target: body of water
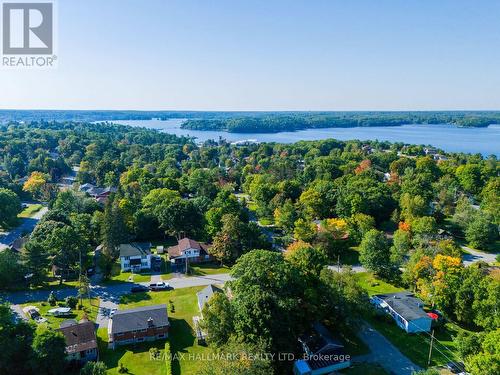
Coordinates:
[447,137]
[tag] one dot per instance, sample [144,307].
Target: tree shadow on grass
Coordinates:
[134,298]
[181,337]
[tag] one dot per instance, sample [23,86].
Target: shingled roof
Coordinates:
[405,304]
[135,249]
[79,337]
[185,244]
[139,318]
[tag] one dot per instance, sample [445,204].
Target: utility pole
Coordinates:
[186,263]
[80,280]
[430,349]
[338,263]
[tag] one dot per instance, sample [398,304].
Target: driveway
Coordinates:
[472,256]
[27,226]
[384,353]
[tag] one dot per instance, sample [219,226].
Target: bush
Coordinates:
[71,301]
[122,369]
[80,306]
[52,300]
[93,368]
[168,359]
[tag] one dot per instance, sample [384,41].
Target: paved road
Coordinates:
[109,295]
[27,226]
[384,353]
[357,268]
[472,256]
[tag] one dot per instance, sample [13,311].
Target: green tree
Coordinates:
[11,273]
[481,231]
[305,230]
[285,216]
[401,246]
[11,206]
[469,176]
[374,252]
[94,368]
[49,349]
[358,224]
[218,319]
[239,358]
[16,337]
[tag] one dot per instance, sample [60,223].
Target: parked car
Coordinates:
[159,286]
[139,289]
[112,312]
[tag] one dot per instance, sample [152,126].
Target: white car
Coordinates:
[112,312]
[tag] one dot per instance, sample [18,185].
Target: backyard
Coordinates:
[182,340]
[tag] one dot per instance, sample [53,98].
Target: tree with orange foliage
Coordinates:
[36,184]
[446,281]
[363,166]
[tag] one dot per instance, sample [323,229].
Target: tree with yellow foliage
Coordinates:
[36,184]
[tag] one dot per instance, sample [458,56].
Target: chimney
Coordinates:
[150,322]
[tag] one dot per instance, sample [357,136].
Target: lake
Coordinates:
[447,137]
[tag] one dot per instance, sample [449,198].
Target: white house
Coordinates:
[196,252]
[135,256]
[405,309]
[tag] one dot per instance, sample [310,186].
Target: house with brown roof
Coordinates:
[81,341]
[193,251]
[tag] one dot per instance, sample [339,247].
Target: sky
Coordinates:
[267,55]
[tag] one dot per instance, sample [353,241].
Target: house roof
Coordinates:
[405,304]
[19,243]
[80,336]
[139,318]
[185,244]
[205,294]
[135,249]
[321,347]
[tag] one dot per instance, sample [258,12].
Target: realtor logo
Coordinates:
[28,39]
[28,28]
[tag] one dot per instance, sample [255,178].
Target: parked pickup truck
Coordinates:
[159,286]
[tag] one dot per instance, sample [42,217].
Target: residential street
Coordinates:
[384,353]
[109,295]
[357,268]
[27,226]
[472,256]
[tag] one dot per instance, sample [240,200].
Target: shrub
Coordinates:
[71,301]
[52,300]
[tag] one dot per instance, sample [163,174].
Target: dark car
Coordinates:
[455,367]
[139,289]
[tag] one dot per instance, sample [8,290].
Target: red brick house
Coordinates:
[148,323]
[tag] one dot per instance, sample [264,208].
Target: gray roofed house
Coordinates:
[205,294]
[135,256]
[145,323]
[406,309]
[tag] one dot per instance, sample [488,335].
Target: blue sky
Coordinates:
[268,55]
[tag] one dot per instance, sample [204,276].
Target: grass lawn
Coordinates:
[54,322]
[365,369]
[416,346]
[135,358]
[374,285]
[208,269]
[118,276]
[30,210]
[182,339]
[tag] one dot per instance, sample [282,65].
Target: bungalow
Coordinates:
[194,251]
[405,309]
[81,341]
[148,323]
[135,256]
[322,353]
